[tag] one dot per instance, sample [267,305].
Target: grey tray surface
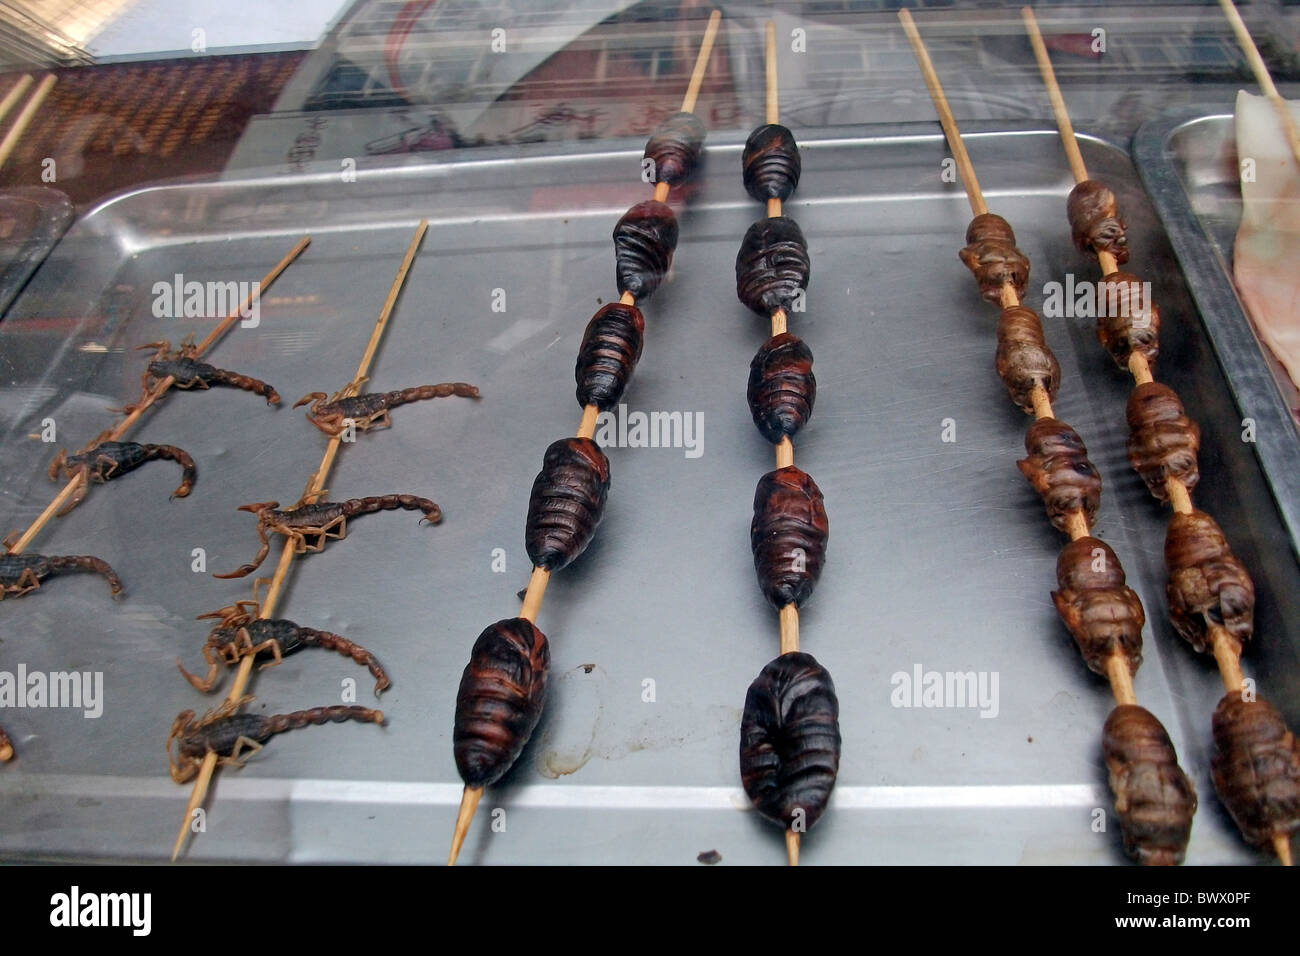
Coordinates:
[940,557]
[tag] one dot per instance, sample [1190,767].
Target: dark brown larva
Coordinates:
[788,535]
[991,254]
[790,740]
[1162,442]
[1207,584]
[644,240]
[782,388]
[567,502]
[772,267]
[675,148]
[1059,470]
[1023,358]
[610,349]
[1154,799]
[1103,614]
[1256,768]
[500,699]
[1126,321]
[1095,221]
[771,163]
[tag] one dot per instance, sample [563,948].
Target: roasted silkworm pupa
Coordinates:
[675,148]
[1163,442]
[771,163]
[991,254]
[1103,613]
[790,741]
[788,536]
[500,699]
[782,387]
[1154,799]
[644,240]
[611,347]
[772,267]
[1207,584]
[1059,470]
[567,502]
[1023,359]
[1256,768]
[1126,321]
[1095,222]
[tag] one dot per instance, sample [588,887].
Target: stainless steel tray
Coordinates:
[940,554]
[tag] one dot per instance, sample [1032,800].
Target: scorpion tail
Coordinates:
[341,645]
[189,473]
[249,384]
[422,392]
[85,562]
[337,714]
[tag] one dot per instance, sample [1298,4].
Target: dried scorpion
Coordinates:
[229,734]
[331,414]
[323,520]
[241,633]
[20,573]
[188,372]
[102,461]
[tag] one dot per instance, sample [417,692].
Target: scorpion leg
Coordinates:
[27,581]
[271,645]
[56,464]
[113,465]
[78,493]
[242,742]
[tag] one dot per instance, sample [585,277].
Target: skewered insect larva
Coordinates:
[230,735]
[102,461]
[330,414]
[1095,221]
[500,699]
[644,240]
[240,634]
[1126,321]
[566,503]
[675,148]
[1023,359]
[788,536]
[1059,470]
[991,254]
[188,372]
[772,266]
[771,163]
[790,740]
[1103,613]
[20,573]
[1256,768]
[1163,442]
[323,520]
[782,387]
[611,347]
[1154,799]
[1207,584]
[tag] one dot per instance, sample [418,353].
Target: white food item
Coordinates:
[1266,258]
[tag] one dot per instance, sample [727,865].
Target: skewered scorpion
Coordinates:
[241,633]
[230,734]
[102,461]
[20,573]
[183,366]
[323,520]
[331,414]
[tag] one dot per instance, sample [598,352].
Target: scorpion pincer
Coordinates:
[188,372]
[331,413]
[240,633]
[322,520]
[102,461]
[20,573]
[230,734]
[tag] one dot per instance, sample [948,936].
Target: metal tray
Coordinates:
[940,554]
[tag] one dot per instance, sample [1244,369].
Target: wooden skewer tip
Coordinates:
[1282,847]
[468,804]
[791,848]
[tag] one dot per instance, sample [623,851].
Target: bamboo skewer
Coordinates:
[314,489]
[25,116]
[1262,76]
[157,392]
[1118,672]
[14,95]
[539,578]
[1226,650]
